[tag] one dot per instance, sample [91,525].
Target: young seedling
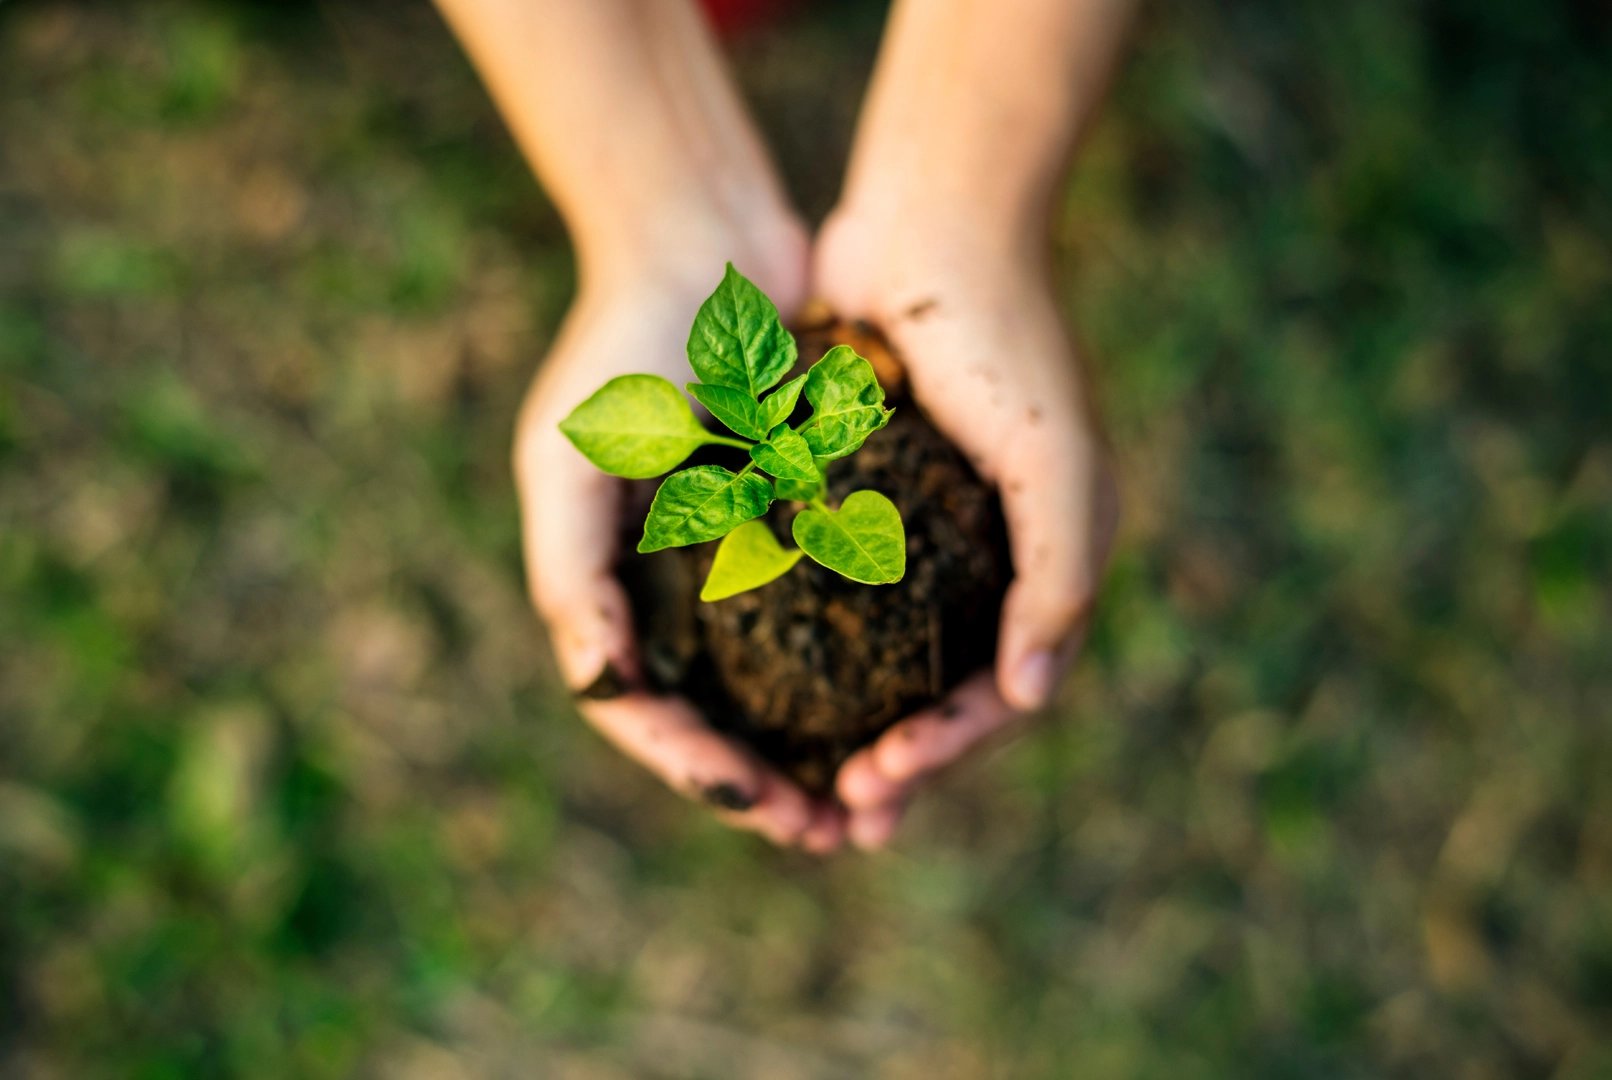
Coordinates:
[639,426]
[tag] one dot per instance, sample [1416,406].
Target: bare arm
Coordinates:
[976,105]
[941,237]
[629,119]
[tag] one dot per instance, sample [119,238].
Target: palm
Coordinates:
[571,528]
[991,364]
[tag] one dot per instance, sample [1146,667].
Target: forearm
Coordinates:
[975,106]
[627,115]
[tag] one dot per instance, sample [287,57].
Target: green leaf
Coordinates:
[863,539]
[635,426]
[803,490]
[735,408]
[797,490]
[847,403]
[786,456]
[737,339]
[748,558]
[701,504]
[780,403]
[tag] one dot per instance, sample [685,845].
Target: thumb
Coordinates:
[569,516]
[1061,512]
[590,627]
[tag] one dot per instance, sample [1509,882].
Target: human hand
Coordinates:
[989,359]
[630,323]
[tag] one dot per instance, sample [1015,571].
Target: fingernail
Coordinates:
[1032,680]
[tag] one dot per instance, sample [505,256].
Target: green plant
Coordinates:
[639,426]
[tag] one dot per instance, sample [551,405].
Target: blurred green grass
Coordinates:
[284,787]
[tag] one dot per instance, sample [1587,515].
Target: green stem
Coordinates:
[817,503]
[723,440]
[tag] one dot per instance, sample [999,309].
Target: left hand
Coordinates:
[989,359]
[636,322]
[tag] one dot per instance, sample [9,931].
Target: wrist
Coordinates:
[882,260]
[949,220]
[683,248]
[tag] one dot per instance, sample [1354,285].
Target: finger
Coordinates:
[936,737]
[668,738]
[570,556]
[1062,508]
[827,830]
[873,828]
[783,814]
[861,784]
[924,742]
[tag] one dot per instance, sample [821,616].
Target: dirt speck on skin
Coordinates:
[922,308]
[727,797]
[812,667]
[610,684]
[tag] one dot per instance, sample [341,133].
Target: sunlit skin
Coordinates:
[631,122]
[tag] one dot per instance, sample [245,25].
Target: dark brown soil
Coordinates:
[812,666]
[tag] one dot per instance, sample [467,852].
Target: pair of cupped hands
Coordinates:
[975,321]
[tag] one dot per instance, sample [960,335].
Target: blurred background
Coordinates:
[285,787]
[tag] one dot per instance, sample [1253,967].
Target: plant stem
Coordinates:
[722,440]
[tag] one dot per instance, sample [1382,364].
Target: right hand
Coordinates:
[978,327]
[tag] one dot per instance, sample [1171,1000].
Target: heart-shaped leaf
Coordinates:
[635,426]
[737,339]
[786,456]
[701,504]
[863,539]
[780,403]
[847,403]
[748,558]
[736,409]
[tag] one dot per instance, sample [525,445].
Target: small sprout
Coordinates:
[781,403]
[639,426]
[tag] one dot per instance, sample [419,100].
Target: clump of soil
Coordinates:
[812,667]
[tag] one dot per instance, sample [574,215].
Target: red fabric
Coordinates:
[731,17]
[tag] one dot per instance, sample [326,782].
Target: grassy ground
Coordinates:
[284,790]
